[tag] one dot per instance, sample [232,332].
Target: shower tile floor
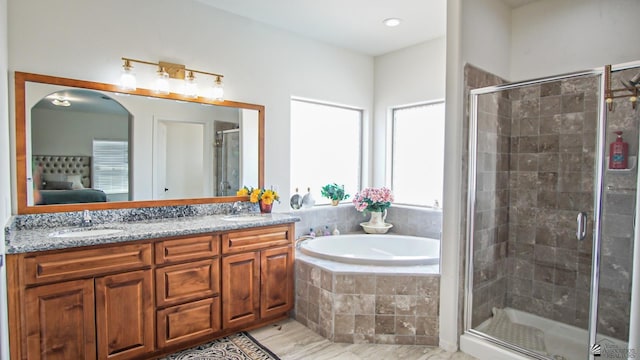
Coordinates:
[563,342]
[291,340]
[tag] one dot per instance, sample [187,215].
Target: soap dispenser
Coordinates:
[618,153]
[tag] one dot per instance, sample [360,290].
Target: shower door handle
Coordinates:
[581,233]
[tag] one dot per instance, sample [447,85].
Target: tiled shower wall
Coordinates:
[492,205]
[553,137]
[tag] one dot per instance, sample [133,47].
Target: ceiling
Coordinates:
[82,101]
[351,24]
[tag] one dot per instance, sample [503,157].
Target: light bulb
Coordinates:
[162,82]
[190,86]
[127,77]
[217,92]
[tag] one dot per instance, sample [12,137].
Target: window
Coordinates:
[326,145]
[417,154]
[111,166]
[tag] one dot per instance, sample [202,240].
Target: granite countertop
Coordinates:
[39,239]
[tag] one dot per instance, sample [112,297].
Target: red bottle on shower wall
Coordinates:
[618,153]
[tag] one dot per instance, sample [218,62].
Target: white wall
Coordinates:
[5,178]
[478,33]
[486,35]
[55,132]
[262,65]
[407,76]
[558,36]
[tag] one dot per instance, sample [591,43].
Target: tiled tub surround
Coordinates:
[368,304]
[406,220]
[27,233]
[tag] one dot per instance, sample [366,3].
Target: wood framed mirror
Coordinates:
[64,153]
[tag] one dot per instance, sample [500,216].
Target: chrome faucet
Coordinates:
[302,238]
[240,207]
[86,218]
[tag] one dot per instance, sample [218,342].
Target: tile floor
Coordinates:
[291,340]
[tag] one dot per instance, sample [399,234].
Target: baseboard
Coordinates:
[448,346]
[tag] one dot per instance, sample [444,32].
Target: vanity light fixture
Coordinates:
[168,71]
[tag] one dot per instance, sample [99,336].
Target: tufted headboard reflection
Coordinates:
[64,165]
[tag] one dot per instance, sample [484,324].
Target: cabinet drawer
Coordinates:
[182,323]
[80,263]
[246,240]
[191,248]
[190,281]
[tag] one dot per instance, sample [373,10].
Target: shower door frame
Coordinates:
[597,209]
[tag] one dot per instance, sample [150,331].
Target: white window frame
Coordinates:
[94,165]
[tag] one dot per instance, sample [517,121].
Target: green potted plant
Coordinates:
[334,192]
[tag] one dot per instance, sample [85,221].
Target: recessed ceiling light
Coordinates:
[60,101]
[392,22]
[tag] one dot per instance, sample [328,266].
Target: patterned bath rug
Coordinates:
[240,346]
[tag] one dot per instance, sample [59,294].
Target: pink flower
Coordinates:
[373,199]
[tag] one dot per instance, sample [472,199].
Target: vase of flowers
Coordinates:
[374,201]
[264,197]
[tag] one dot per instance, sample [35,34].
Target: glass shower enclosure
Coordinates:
[227,158]
[550,230]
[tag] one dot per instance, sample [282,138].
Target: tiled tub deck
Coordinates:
[368,304]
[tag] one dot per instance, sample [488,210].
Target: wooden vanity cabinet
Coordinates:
[75,307]
[147,298]
[257,274]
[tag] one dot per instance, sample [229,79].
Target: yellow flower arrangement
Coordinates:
[267,196]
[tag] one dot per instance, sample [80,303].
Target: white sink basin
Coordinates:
[241,218]
[84,232]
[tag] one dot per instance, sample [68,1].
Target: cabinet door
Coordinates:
[276,281]
[60,321]
[124,315]
[240,289]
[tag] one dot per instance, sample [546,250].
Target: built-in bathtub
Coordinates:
[368,297]
[373,249]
